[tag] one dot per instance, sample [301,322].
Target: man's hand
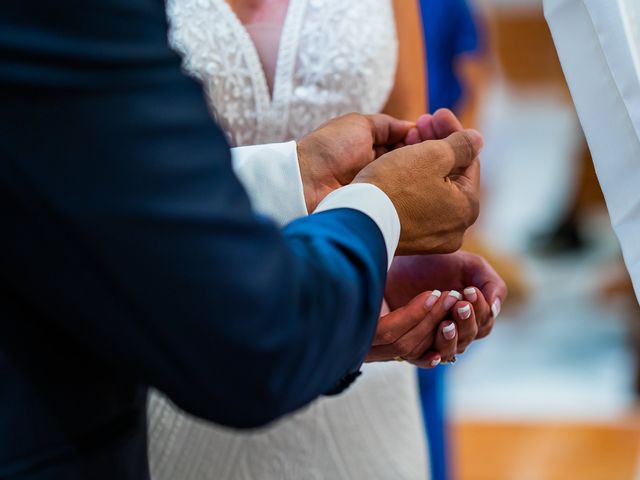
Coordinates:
[461,271]
[434,187]
[335,152]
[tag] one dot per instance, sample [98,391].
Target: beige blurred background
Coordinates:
[552,394]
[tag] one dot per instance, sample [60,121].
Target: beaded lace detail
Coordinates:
[335,57]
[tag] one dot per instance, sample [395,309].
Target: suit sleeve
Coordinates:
[132,234]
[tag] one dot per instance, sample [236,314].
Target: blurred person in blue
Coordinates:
[451,35]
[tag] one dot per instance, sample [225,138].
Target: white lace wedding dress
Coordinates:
[335,56]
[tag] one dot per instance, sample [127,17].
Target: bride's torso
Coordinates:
[334,56]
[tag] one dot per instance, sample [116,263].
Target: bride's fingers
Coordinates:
[396,323]
[484,317]
[415,342]
[434,127]
[431,359]
[465,318]
[447,340]
[424,125]
[387,130]
[445,123]
[412,137]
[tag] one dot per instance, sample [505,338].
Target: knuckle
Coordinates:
[466,146]
[387,337]
[403,348]
[440,150]
[416,352]
[485,330]
[468,336]
[412,356]
[406,350]
[454,243]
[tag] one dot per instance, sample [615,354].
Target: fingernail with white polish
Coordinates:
[433,298]
[435,362]
[495,308]
[464,312]
[449,331]
[451,299]
[470,294]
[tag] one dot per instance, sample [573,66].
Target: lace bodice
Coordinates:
[335,57]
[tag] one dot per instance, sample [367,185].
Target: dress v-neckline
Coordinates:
[272,101]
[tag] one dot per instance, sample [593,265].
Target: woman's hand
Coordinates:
[432,127]
[409,276]
[431,328]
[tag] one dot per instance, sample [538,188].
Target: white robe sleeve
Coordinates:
[598,42]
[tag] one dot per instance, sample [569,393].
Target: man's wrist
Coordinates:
[308,187]
[374,203]
[315,184]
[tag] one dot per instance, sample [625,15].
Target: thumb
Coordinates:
[399,321]
[465,146]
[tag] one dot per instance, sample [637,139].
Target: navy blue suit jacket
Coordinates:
[130,257]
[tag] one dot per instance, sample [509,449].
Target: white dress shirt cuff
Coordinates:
[374,203]
[271,176]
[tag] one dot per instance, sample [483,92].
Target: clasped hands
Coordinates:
[440,298]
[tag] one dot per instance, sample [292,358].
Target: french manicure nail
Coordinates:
[433,298]
[470,294]
[495,308]
[449,331]
[435,362]
[464,312]
[451,299]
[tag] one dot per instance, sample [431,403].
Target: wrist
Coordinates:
[315,185]
[308,184]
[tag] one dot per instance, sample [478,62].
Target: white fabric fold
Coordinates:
[598,42]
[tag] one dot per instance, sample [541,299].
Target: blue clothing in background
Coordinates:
[449,31]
